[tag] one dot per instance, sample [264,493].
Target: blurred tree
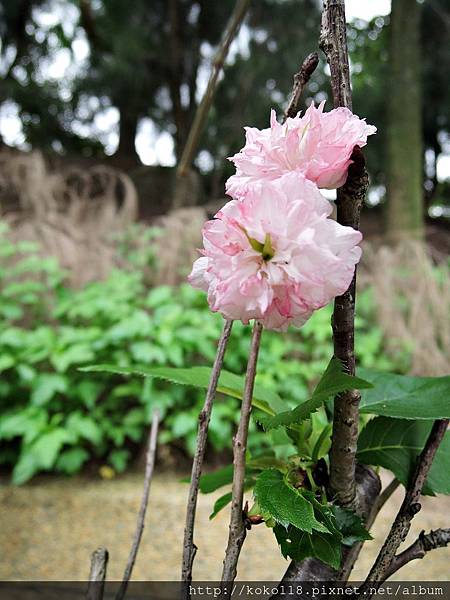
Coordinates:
[42,102]
[375,91]
[146,60]
[404,132]
[153,61]
[279,36]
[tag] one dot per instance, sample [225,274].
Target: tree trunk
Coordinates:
[404,209]
[127,135]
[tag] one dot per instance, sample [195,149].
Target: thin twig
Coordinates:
[201,115]
[408,509]
[189,548]
[300,80]
[97,574]
[333,41]
[237,530]
[424,543]
[149,466]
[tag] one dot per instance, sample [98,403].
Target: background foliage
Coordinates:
[54,417]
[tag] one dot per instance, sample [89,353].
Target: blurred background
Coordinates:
[98,233]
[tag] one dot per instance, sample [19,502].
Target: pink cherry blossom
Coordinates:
[275,256]
[319,145]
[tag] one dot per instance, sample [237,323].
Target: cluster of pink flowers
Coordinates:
[272,253]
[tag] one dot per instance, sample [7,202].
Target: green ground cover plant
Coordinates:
[56,418]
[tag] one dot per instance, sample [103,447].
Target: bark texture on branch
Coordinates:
[410,507]
[204,417]
[238,530]
[333,41]
[424,543]
[97,574]
[300,80]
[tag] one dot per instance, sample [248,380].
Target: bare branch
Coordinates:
[201,115]
[409,507]
[300,80]
[333,41]
[149,466]
[97,574]
[189,548]
[237,531]
[424,543]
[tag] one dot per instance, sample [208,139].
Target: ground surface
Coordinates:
[48,530]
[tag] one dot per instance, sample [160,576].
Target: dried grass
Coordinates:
[73,215]
[176,247]
[412,303]
[78,217]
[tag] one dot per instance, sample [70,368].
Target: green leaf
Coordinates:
[350,526]
[70,461]
[395,445]
[40,455]
[230,384]
[333,381]
[219,504]
[119,459]
[405,397]
[46,386]
[284,503]
[210,482]
[84,427]
[299,545]
[226,498]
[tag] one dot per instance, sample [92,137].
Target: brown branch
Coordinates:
[408,509]
[424,543]
[149,466]
[300,80]
[201,115]
[97,574]
[333,41]
[189,548]
[237,531]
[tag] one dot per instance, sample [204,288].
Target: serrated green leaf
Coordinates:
[404,397]
[230,384]
[395,445]
[299,545]
[350,526]
[284,503]
[333,381]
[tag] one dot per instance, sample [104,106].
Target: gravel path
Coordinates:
[48,530]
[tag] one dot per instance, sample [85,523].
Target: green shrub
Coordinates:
[56,418]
